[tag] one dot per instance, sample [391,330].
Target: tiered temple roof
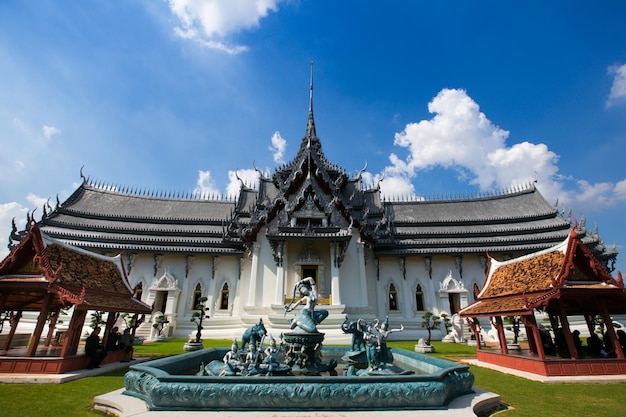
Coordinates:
[105,220]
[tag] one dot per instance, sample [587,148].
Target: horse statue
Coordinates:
[351,327]
[254,334]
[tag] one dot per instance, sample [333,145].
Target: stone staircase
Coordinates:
[144,330]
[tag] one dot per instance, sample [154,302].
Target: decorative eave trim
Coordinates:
[66,295]
[139,239]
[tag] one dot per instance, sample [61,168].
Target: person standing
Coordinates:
[126,343]
[94,349]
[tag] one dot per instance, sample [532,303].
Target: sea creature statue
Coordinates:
[351,327]
[254,334]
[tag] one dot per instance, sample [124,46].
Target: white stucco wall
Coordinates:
[368,299]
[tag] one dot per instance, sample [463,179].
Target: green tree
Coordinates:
[198,316]
[515,322]
[430,322]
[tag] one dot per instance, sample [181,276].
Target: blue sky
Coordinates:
[440,97]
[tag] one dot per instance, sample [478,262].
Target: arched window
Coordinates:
[197,293]
[419,298]
[224,297]
[393,298]
[138,291]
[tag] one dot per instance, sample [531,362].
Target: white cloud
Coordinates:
[210,21]
[8,212]
[459,136]
[278,147]
[49,131]
[397,187]
[250,178]
[595,196]
[205,186]
[618,89]
[36,201]
[620,190]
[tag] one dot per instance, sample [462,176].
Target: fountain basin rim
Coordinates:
[157,384]
[152,367]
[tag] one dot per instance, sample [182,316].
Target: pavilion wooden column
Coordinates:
[72,339]
[54,317]
[3,300]
[532,347]
[475,326]
[14,321]
[111,319]
[500,328]
[571,346]
[590,323]
[611,331]
[41,321]
[554,322]
[530,321]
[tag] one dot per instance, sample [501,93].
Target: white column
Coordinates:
[253,275]
[334,275]
[362,279]
[279,297]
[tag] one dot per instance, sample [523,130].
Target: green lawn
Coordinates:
[526,398]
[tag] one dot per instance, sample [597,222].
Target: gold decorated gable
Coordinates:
[29,268]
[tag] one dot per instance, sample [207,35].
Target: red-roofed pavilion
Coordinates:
[563,281]
[45,275]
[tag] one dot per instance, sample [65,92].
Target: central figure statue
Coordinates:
[307,318]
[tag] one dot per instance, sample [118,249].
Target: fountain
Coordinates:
[299,375]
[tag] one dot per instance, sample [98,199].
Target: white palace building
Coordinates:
[371,258]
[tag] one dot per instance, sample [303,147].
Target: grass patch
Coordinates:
[441,349]
[173,347]
[58,400]
[534,399]
[526,398]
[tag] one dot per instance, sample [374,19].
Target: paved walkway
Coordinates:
[588,379]
[61,378]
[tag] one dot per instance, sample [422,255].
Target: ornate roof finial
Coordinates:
[310,126]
